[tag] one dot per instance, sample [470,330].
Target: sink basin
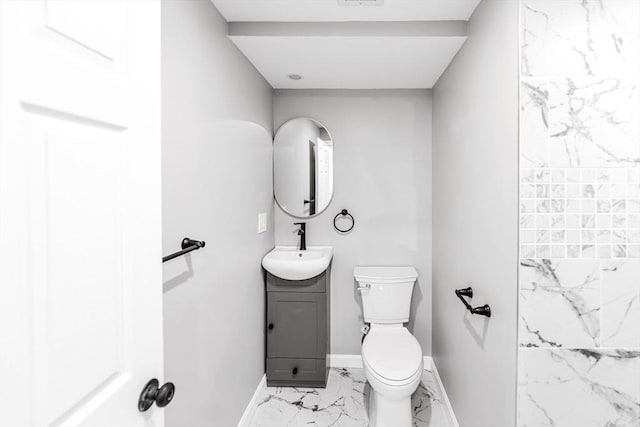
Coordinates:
[290,263]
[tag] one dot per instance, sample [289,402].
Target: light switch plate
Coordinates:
[262,222]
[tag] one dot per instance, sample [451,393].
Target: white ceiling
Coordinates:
[351,62]
[341,10]
[389,49]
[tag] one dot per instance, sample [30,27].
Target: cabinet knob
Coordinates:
[295,371]
[270,326]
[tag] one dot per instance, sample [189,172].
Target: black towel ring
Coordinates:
[344,212]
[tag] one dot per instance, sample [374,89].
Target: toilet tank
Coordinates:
[386,292]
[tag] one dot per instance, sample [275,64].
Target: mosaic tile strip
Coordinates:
[580,213]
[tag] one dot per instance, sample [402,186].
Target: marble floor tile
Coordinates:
[344,403]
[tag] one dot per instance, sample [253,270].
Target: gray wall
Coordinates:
[382,155]
[216,136]
[475,218]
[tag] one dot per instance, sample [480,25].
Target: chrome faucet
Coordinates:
[302,232]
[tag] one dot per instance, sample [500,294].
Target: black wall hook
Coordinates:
[483,310]
[346,213]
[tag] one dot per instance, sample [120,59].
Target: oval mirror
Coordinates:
[303,167]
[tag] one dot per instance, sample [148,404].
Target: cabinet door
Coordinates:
[296,325]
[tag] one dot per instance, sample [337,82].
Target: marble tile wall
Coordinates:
[579,285]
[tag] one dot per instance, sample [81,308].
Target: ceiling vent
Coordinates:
[360,2]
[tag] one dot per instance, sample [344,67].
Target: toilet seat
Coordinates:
[392,354]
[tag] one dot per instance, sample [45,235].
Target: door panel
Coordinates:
[80,211]
[97,25]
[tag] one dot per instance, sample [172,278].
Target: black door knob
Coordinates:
[165,395]
[151,393]
[270,326]
[295,371]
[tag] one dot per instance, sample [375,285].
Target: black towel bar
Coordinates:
[188,245]
[483,310]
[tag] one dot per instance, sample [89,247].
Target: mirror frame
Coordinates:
[273,168]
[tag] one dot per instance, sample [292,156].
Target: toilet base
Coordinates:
[384,412]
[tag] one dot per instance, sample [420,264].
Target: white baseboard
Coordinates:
[247,416]
[445,398]
[345,361]
[427,363]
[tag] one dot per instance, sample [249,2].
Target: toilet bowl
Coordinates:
[393,366]
[391,356]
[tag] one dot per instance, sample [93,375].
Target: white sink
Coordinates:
[290,263]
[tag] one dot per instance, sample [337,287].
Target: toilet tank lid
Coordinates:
[385,273]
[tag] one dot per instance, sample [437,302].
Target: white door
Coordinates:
[80,243]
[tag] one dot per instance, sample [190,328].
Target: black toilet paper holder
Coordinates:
[483,310]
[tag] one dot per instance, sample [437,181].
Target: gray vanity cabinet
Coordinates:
[297,331]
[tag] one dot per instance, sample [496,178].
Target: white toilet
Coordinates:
[391,356]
